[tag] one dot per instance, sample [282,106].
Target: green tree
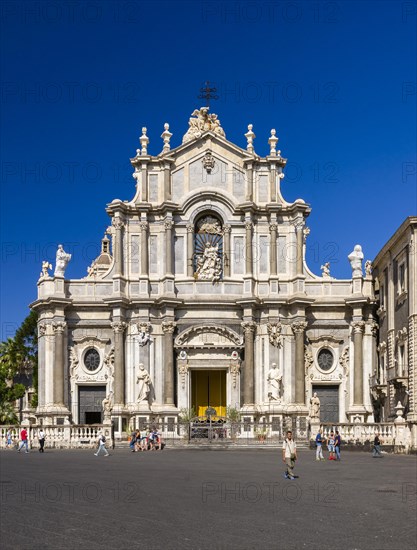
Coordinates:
[18,357]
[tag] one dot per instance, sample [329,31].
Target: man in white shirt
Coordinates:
[289,455]
[41,438]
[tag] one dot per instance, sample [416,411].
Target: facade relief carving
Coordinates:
[274,334]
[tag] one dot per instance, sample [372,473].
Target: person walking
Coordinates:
[24,440]
[376,451]
[102,446]
[337,442]
[319,445]
[41,439]
[289,455]
[133,441]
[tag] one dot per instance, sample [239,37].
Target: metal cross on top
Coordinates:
[208,92]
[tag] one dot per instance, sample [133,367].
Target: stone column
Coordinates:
[358,329]
[248,378]
[59,365]
[249,261]
[119,362]
[226,250]
[249,182]
[190,250]
[144,254]
[273,249]
[298,328]
[118,245]
[168,328]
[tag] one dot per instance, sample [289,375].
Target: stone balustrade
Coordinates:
[59,437]
[361,433]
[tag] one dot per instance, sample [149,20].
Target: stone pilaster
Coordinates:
[226,250]
[300,247]
[190,250]
[119,362]
[144,253]
[168,246]
[358,328]
[298,328]
[249,372]
[249,255]
[168,328]
[118,245]
[59,365]
[273,249]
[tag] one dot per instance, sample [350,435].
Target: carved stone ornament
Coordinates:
[214,336]
[382,348]
[59,327]
[401,335]
[234,371]
[168,327]
[308,358]
[358,326]
[117,223]
[274,334]
[344,360]
[118,326]
[209,225]
[373,325]
[201,121]
[141,330]
[298,327]
[73,360]
[249,327]
[208,162]
[183,371]
[42,329]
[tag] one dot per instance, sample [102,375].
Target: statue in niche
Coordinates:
[209,265]
[315,407]
[274,383]
[62,259]
[144,382]
[355,259]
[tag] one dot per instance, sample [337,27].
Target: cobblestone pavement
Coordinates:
[190,499]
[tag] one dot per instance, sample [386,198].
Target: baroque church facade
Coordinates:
[201,299]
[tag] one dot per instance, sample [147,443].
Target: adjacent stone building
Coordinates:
[201,298]
[394,378]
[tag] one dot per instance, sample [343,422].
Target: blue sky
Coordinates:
[79,80]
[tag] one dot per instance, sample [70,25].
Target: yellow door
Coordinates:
[208,390]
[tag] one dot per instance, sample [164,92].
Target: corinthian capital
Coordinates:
[117,223]
[190,228]
[168,327]
[118,326]
[248,225]
[143,226]
[298,327]
[168,224]
[59,327]
[273,227]
[227,229]
[248,327]
[358,326]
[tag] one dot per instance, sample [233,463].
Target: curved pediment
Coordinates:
[209,336]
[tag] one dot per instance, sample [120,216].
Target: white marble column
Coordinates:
[249,371]
[144,253]
[273,249]
[168,246]
[248,249]
[168,328]
[118,245]
[226,250]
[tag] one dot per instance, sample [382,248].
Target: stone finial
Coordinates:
[273,140]
[144,140]
[250,136]
[166,136]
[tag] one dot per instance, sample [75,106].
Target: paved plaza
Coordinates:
[195,499]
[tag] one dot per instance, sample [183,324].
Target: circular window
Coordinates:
[325,359]
[92,359]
